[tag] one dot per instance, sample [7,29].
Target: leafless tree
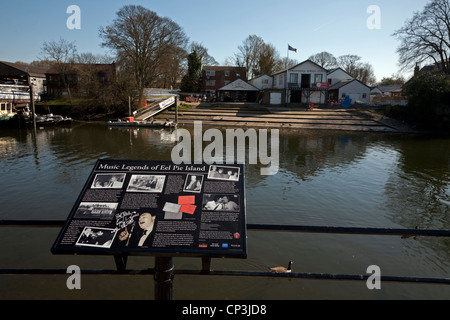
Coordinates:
[63,53]
[141,40]
[287,63]
[324,59]
[202,52]
[361,71]
[248,54]
[426,37]
[269,60]
[349,63]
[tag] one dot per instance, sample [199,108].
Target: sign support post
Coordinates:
[164,278]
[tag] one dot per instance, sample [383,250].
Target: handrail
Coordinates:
[238,273]
[271,228]
[232,273]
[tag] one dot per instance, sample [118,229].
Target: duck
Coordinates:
[282,269]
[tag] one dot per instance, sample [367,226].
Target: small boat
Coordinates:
[52,120]
[6,111]
[60,120]
[121,123]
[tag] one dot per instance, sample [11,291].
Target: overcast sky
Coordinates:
[339,27]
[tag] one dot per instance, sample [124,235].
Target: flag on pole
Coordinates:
[291,49]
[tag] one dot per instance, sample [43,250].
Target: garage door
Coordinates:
[275,98]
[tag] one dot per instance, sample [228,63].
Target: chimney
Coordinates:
[416,69]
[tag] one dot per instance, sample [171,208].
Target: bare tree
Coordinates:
[426,37]
[324,59]
[248,54]
[286,63]
[364,73]
[361,71]
[350,63]
[202,53]
[268,60]
[63,53]
[171,68]
[141,40]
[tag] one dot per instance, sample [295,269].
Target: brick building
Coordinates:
[215,77]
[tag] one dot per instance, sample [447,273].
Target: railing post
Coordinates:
[164,278]
[176,110]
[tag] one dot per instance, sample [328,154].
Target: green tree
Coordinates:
[425,92]
[192,81]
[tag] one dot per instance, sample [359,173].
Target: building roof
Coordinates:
[391,88]
[26,68]
[343,83]
[260,76]
[239,85]
[306,61]
[336,69]
[222,68]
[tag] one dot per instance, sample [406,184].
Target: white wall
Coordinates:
[356,91]
[279,80]
[338,75]
[262,82]
[308,68]
[38,84]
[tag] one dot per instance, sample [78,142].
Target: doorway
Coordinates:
[296,96]
[306,81]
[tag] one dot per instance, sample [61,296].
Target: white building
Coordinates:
[355,89]
[307,82]
[336,75]
[262,82]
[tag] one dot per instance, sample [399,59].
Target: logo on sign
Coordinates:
[322,85]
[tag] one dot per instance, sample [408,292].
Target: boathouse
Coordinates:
[238,91]
[306,83]
[16,74]
[357,91]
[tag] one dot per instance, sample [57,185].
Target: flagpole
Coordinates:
[287,74]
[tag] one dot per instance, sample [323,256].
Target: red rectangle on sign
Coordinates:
[188,208]
[186,199]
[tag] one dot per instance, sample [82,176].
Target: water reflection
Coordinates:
[325,178]
[419,194]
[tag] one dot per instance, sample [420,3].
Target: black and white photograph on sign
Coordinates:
[224,173]
[108,181]
[96,237]
[139,234]
[146,183]
[193,183]
[215,202]
[102,210]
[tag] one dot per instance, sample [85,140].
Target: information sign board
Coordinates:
[158,208]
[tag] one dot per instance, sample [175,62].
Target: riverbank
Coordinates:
[293,116]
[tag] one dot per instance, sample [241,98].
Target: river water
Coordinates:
[326,178]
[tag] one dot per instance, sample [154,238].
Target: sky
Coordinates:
[338,27]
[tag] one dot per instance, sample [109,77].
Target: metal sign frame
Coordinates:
[196,210]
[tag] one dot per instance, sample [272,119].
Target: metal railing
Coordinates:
[164,271]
